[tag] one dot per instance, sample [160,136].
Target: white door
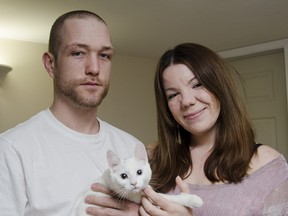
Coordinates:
[262,85]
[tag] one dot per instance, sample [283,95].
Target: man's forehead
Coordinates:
[86,31]
[73,22]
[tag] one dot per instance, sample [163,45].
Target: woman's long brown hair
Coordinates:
[234,145]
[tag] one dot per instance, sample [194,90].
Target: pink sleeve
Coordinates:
[276,203]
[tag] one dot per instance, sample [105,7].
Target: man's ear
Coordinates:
[49,63]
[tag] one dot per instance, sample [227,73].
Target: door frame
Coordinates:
[258,49]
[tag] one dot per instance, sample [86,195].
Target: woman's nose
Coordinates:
[187,99]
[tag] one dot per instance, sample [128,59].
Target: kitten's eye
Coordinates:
[124,176]
[139,172]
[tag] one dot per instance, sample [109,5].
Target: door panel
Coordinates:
[261,82]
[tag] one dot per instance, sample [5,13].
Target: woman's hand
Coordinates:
[109,205]
[154,204]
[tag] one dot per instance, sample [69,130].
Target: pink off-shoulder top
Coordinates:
[264,192]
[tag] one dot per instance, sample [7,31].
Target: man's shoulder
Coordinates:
[111,129]
[122,142]
[27,127]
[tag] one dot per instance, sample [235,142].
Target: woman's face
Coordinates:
[192,105]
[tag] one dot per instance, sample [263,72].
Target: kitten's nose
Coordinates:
[133,183]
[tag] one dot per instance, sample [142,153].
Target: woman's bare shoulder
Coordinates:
[264,155]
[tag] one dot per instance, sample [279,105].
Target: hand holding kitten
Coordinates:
[155,204]
[110,205]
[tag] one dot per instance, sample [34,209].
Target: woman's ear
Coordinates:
[49,63]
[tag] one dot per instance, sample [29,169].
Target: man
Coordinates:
[47,162]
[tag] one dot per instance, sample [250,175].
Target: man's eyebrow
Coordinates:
[107,48]
[103,48]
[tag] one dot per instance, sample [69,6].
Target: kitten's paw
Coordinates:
[192,201]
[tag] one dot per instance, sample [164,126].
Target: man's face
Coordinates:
[82,69]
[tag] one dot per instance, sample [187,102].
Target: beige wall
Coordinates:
[27,89]
[130,103]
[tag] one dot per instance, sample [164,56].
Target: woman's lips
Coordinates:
[194,114]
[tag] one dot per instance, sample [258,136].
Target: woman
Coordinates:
[206,138]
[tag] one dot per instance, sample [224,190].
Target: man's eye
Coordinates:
[78,53]
[105,56]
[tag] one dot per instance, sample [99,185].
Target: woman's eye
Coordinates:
[197,85]
[171,96]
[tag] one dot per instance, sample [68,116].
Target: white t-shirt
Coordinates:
[45,166]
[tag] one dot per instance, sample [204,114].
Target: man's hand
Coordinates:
[108,205]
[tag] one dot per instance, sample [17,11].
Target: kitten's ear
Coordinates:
[112,159]
[140,152]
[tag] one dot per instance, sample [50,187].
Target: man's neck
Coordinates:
[82,120]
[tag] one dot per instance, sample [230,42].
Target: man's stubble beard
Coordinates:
[69,90]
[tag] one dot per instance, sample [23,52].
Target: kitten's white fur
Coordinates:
[127,177]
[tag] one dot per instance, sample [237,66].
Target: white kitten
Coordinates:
[127,177]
